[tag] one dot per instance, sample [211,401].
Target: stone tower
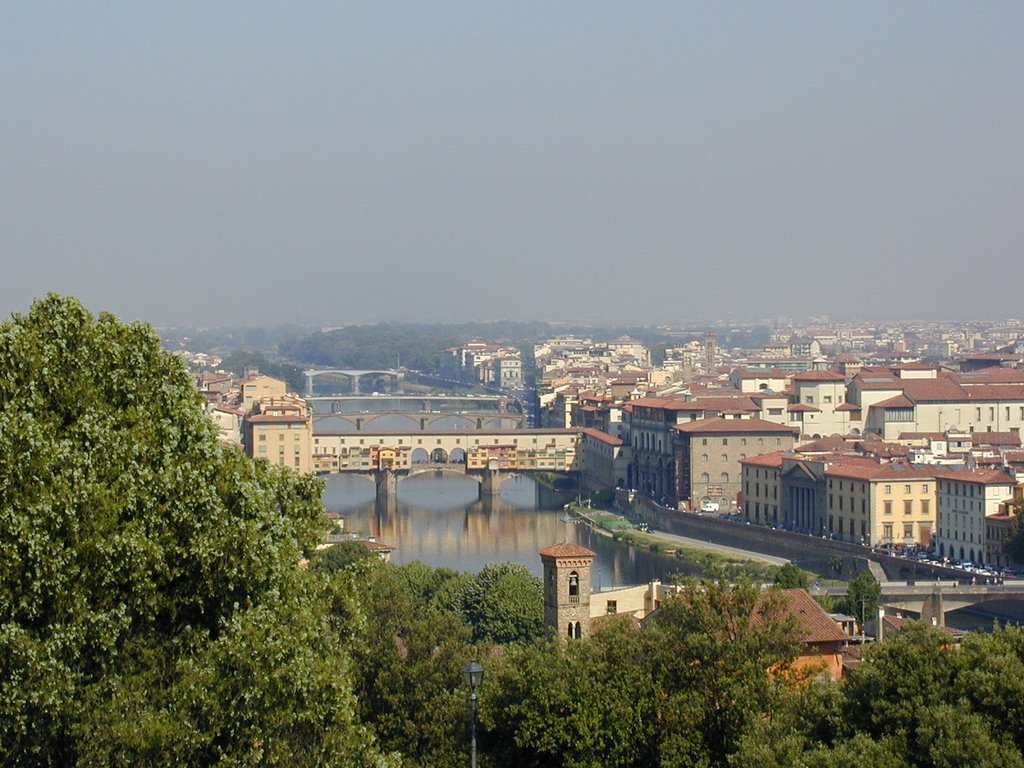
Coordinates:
[567,589]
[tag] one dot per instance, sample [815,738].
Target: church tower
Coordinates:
[567,589]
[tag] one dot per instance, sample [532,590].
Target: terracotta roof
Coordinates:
[899,401]
[717,424]
[830,444]
[802,408]
[816,626]
[1011,439]
[264,419]
[567,549]
[922,436]
[603,437]
[818,376]
[982,476]
[868,469]
[848,407]
[772,460]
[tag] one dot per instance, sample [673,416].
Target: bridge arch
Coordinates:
[457,456]
[439,456]
[419,456]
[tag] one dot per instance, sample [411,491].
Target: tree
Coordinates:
[720,654]
[151,607]
[553,703]
[862,596]
[1013,541]
[791,576]
[504,603]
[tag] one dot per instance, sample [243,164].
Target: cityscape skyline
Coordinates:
[671,164]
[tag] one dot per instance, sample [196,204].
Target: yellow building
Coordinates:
[881,504]
[280,431]
[260,387]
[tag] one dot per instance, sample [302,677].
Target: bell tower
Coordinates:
[567,589]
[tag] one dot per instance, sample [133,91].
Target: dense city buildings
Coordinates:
[833,430]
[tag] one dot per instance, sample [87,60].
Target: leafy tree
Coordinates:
[862,596]
[342,555]
[720,653]
[409,661]
[554,703]
[1013,541]
[151,608]
[504,603]
[792,576]
[899,679]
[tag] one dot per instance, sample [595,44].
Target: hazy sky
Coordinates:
[328,162]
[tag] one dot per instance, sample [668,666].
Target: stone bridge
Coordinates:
[932,600]
[353,375]
[489,480]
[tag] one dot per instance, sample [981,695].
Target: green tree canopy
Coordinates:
[151,608]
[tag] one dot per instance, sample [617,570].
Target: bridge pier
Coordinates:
[932,611]
[387,483]
[490,486]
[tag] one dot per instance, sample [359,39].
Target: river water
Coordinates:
[439,521]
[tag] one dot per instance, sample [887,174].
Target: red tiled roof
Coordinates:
[772,460]
[816,626]
[996,438]
[264,419]
[981,476]
[802,408]
[818,376]
[868,469]
[717,424]
[899,401]
[848,407]
[566,549]
[603,437]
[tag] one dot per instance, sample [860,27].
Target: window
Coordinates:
[574,587]
[906,489]
[705,478]
[887,507]
[925,504]
[612,607]
[888,489]
[703,458]
[924,488]
[827,398]
[725,441]
[724,458]
[908,530]
[724,478]
[908,507]
[887,531]
[703,441]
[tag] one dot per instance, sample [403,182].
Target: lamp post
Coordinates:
[473,675]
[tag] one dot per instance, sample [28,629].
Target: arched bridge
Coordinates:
[935,599]
[352,374]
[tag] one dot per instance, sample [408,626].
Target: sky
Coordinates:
[328,163]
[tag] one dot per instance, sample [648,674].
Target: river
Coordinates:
[439,521]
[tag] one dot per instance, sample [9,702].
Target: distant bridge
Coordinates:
[934,600]
[352,374]
[392,413]
[485,455]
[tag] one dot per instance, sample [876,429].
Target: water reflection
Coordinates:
[440,521]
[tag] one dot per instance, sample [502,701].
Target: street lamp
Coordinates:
[473,675]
